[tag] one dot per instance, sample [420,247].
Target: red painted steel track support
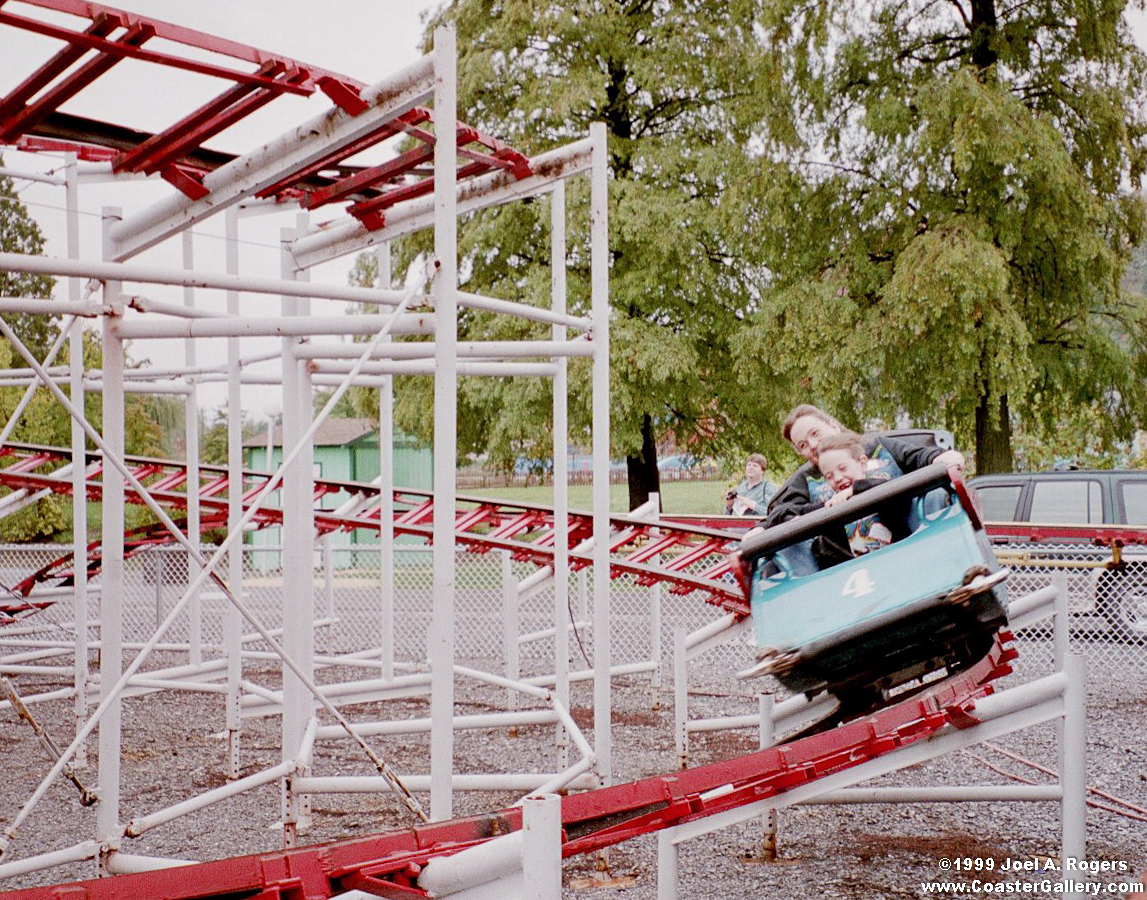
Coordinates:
[692,558]
[105,36]
[387,865]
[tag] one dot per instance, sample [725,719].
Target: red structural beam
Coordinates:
[1100,535]
[108,36]
[168,31]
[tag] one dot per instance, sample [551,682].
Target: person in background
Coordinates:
[807,489]
[752,494]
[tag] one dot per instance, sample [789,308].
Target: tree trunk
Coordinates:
[993,437]
[984,27]
[644,478]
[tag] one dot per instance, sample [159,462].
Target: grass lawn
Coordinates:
[696,497]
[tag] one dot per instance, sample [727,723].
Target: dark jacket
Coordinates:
[797,495]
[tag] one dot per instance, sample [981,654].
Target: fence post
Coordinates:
[511,608]
[680,698]
[329,573]
[768,738]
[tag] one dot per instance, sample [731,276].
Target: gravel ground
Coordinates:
[845,852]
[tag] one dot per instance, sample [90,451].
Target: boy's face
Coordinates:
[840,468]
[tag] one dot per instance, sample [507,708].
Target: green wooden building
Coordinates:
[344,450]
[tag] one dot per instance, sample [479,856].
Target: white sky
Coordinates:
[363,39]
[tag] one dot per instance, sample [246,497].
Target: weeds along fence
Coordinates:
[348,607]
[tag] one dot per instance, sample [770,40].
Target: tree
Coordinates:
[676,85]
[45,421]
[19,233]
[948,197]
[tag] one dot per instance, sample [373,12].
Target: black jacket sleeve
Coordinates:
[909,457]
[792,499]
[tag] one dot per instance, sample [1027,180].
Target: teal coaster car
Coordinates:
[930,601]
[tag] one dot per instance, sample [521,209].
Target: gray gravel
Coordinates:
[835,851]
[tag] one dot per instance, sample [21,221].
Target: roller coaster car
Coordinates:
[930,601]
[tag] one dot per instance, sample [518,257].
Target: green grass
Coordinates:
[697,497]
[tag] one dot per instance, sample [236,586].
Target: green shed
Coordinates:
[344,450]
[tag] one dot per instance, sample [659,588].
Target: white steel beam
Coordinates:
[134,273]
[599,294]
[440,640]
[466,350]
[269,326]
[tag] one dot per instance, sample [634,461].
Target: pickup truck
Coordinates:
[1089,524]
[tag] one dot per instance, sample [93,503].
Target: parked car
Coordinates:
[682,465]
[1115,590]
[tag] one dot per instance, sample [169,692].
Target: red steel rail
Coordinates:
[93,39]
[387,865]
[686,558]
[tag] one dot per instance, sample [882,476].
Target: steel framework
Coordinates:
[311,166]
[429,184]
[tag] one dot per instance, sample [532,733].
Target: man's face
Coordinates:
[807,433]
[840,468]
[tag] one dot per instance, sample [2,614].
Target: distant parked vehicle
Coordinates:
[1094,501]
[682,463]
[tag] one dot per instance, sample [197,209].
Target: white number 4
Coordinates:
[858,584]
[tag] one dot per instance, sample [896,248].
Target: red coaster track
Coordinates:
[685,558]
[94,39]
[388,865]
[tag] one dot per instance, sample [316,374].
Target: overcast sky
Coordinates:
[363,39]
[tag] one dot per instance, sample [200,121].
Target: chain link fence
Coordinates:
[1108,602]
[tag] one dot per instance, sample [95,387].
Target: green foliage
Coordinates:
[678,88]
[213,436]
[151,423]
[19,233]
[951,206]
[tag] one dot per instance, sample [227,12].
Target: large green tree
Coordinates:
[677,86]
[948,197]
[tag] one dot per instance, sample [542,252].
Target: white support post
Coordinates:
[561,484]
[441,638]
[655,596]
[79,466]
[667,866]
[768,735]
[386,495]
[1061,623]
[191,432]
[298,557]
[233,620]
[112,577]
[599,297]
[680,697]
[511,627]
[542,847]
[1073,761]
